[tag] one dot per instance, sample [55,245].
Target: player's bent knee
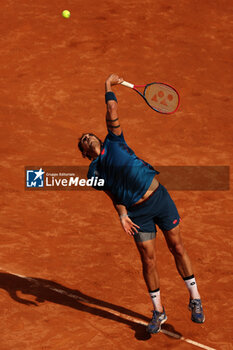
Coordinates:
[177,249]
[149,263]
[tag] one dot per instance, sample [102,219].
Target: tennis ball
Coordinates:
[66,14]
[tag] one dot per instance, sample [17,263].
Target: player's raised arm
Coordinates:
[112,119]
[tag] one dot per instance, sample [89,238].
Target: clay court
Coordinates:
[70,277]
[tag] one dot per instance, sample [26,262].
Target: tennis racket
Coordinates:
[160,97]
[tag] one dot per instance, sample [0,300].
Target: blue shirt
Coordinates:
[125,175]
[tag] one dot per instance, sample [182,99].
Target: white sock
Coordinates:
[156,300]
[192,287]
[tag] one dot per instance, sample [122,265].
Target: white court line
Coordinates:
[116,313]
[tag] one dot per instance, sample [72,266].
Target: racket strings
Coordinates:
[161,97]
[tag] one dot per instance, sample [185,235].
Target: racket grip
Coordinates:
[129,85]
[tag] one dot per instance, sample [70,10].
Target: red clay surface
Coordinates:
[52,90]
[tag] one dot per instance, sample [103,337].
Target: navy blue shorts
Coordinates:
[159,209]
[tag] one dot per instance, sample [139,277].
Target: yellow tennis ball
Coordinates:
[66,14]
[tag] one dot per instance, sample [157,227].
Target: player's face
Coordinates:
[89,142]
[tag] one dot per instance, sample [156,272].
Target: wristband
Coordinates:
[110,96]
[123,216]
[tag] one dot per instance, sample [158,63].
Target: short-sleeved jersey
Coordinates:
[125,175]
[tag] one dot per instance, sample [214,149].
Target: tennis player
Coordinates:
[141,203]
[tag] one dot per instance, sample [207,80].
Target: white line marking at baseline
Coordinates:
[116,313]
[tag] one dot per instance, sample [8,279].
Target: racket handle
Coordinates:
[129,85]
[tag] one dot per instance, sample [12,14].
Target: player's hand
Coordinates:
[114,79]
[129,226]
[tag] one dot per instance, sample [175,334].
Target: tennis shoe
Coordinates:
[197,314]
[155,324]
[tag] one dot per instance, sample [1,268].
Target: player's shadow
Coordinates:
[46,290]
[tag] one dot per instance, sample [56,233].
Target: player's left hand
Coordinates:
[114,79]
[129,226]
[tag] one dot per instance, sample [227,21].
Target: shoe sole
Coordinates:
[190,309]
[163,321]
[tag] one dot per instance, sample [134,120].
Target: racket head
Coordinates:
[161,97]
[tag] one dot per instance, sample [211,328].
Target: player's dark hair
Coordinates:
[81,147]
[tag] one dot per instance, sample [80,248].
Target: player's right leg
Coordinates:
[142,214]
[148,257]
